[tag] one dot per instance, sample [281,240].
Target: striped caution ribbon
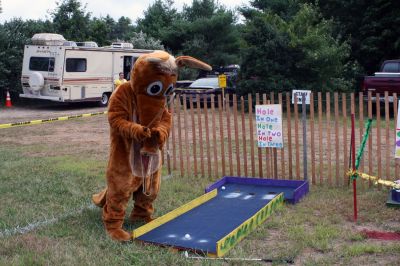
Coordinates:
[62,118]
[376,180]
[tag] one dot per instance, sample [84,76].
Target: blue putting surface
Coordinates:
[200,228]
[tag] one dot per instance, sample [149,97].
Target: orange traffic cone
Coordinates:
[8,100]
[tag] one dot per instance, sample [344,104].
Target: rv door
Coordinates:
[123,62]
[128,64]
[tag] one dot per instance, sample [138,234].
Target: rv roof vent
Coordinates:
[87,44]
[69,43]
[47,39]
[122,45]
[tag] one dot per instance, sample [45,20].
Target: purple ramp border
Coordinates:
[300,187]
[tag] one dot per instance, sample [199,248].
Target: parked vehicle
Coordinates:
[388,79]
[65,71]
[183,83]
[205,88]
[231,72]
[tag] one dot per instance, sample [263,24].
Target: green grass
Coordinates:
[38,183]
[40,188]
[366,249]
[37,187]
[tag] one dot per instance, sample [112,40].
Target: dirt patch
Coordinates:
[37,244]
[30,242]
[45,110]
[78,137]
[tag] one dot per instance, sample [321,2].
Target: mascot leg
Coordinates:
[119,192]
[143,208]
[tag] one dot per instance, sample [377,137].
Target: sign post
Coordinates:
[222,84]
[304,120]
[353,164]
[397,149]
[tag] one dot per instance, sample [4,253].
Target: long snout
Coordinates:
[150,110]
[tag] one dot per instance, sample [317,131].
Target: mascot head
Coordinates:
[153,79]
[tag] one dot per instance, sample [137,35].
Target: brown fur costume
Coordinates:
[139,127]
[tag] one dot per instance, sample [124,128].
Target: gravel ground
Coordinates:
[32,110]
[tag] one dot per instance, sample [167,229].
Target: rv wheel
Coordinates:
[104,99]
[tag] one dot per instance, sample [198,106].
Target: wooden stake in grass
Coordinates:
[353,164]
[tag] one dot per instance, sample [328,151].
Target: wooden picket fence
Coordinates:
[220,139]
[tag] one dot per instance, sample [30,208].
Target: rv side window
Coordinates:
[76,65]
[41,64]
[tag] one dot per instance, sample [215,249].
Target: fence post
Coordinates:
[312,138]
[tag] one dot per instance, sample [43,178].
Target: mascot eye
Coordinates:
[170,90]
[154,88]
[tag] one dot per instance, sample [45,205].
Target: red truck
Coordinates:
[388,79]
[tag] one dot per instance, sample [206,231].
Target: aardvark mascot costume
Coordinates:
[139,126]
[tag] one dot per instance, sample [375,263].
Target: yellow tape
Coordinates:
[62,118]
[377,180]
[173,214]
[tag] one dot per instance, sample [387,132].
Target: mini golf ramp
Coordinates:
[214,223]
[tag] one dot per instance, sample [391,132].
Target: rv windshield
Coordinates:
[42,64]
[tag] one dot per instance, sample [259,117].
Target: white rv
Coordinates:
[64,71]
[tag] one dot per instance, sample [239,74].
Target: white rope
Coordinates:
[144,176]
[35,225]
[286,261]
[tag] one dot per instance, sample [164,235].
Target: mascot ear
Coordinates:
[191,62]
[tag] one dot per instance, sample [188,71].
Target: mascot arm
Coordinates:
[118,117]
[161,131]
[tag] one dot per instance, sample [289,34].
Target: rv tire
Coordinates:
[105,99]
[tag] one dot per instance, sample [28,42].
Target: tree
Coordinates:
[123,29]
[323,56]
[14,34]
[101,30]
[283,8]
[373,28]
[267,58]
[200,9]
[157,18]
[205,30]
[141,41]
[71,20]
[214,39]
[292,48]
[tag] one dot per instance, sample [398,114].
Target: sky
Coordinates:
[38,9]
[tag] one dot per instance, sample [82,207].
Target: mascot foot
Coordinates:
[119,235]
[146,219]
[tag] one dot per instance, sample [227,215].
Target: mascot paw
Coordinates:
[159,136]
[141,132]
[119,235]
